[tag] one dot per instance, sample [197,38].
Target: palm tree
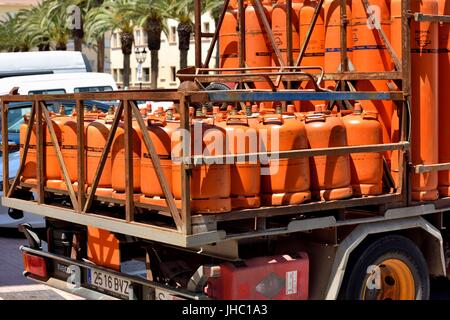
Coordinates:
[11,39]
[152,16]
[31,25]
[182,10]
[115,15]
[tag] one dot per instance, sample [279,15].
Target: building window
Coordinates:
[173,74]
[138,37]
[145,38]
[173,35]
[120,78]
[146,74]
[114,40]
[206,27]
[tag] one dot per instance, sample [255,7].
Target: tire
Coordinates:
[399,271]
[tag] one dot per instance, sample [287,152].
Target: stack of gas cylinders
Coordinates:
[367,52]
[221,185]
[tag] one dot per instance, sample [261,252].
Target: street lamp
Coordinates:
[141,56]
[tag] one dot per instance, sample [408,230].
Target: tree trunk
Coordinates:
[126,71]
[61,47]
[101,54]
[154,68]
[184,31]
[78,43]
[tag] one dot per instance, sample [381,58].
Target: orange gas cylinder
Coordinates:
[363,128]
[332,60]
[229,38]
[30,167]
[279,29]
[96,136]
[424,101]
[444,98]
[53,173]
[210,183]
[315,51]
[243,138]
[160,130]
[118,168]
[330,175]
[370,55]
[283,181]
[258,52]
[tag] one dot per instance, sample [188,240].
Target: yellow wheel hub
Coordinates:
[392,279]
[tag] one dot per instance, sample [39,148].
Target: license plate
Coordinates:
[109,282]
[165,295]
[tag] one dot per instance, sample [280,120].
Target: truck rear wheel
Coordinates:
[391,268]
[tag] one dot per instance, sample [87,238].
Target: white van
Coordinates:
[59,83]
[42,62]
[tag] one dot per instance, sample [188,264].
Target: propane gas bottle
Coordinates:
[283,181]
[242,138]
[160,130]
[53,173]
[424,101]
[444,98]
[370,55]
[332,20]
[258,52]
[363,128]
[279,29]
[330,175]
[229,38]
[118,166]
[29,175]
[315,51]
[210,183]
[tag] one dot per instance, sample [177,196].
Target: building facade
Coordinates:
[169,55]
[13,6]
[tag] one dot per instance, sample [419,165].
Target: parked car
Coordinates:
[11,218]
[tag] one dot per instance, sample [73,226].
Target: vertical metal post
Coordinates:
[39,153]
[344,58]
[241,14]
[406,173]
[128,139]
[185,169]
[5,147]
[81,154]
[290,56]
[198,34]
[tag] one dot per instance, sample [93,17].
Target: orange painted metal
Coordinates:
[444,98]
[160,130]
[210,183]
[315,51]
[370,55]
[283,181]
[229,38]
[330,175]
[363,128]
[424,101]
[103,248]
[332,21]
[242,137]
[258,52]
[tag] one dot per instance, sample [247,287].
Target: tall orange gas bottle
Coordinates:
[242,137]
[283,181]
[330,175]
[332,17]
[30,167]
[160,130]
[118,168]
[370,55]
[258,52]
[279,28]
[229,38]
[363,128]
[424,101]
[53,172]
[444,98]
[315,51]
[210,183]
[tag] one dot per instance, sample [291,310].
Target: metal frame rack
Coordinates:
[180,227]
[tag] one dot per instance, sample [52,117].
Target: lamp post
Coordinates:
[141,56]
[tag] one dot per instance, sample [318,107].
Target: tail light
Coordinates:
[35,265]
